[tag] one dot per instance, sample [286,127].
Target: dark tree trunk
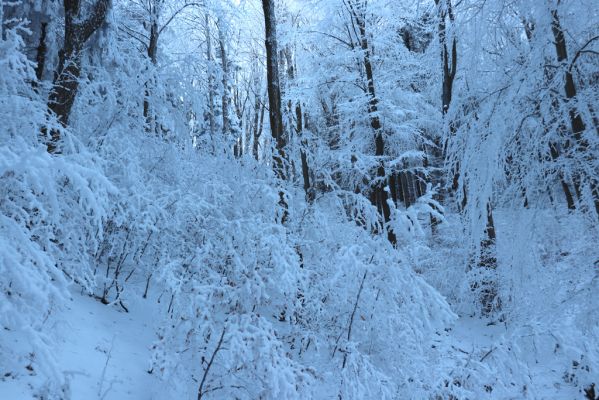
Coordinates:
[299,128]
[529,29]
[153,44]
[379,196]
[153,57]
[274,96]
[225,82]
[487,258]
[562,55]
[211,120]
[257,124]
[449,60]
[303,155]
[244,124]
[40,57]
[489,296]
[576,123]
[66,81]
[274,90]
[553,150]
[449,63]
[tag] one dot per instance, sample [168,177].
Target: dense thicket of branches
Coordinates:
[427,160]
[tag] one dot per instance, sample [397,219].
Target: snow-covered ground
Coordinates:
[496,348]
[104,352]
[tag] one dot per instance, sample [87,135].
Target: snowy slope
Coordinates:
[103,351]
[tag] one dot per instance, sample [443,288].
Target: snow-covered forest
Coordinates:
[299,199]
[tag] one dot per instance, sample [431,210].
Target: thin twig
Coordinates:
[353,313]
[486,355]
[216,350]
[351,318]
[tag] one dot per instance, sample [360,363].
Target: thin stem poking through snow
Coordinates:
[216,350]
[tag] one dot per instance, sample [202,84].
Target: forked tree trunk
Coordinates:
[77,31]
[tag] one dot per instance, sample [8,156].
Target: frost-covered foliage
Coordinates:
[352,331]
[332,84]
[542,153]
[51,210]
[525,143]
[546,335]
[163,195]
[304,298]
[252,308]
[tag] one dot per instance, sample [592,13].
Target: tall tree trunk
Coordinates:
[299,127]
[211,120]
[256,117]
[258,124]
[487,258]
[449,63]
[225,82]
[274,89]
[274,96]
[576,123]
[40,57]
[489,296]
[379,195]
[529,29]
[570,89]
[309,191]
[78,30]
[152,52]
[244,121]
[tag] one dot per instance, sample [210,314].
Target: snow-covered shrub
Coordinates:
[323,311]
[366,306]
[240,278]
[51,213]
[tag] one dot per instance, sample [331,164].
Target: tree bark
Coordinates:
[487,257]
[225,82]
[40,57]
[211,120]
[274,96]
[529,30]
[299,127]
[449,63]
[309,191]
[152,52]
[379,195]
[66,80]
[576,123]
[258,124]
[274,90]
